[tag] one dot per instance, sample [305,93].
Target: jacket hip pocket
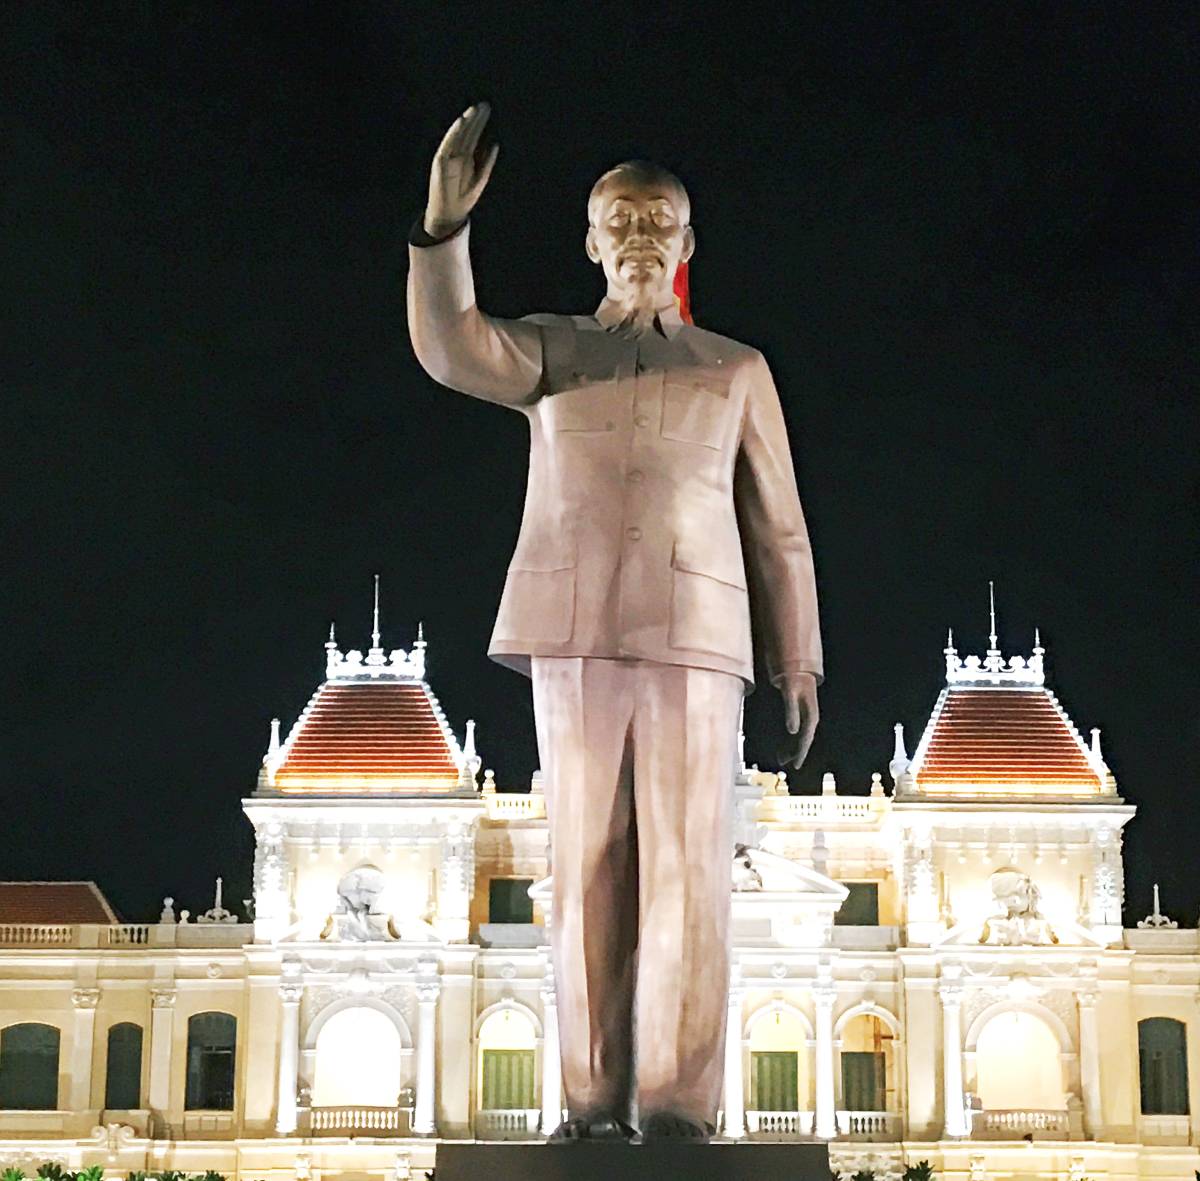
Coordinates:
[708,613]
[537,606]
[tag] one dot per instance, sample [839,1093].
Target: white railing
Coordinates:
[839,809]
[1013,1125]
[129,935]
[1165,1129]
[515,806]
[37,934]
[506,1123]
[868,1125]
[782,1125]
[359,1119]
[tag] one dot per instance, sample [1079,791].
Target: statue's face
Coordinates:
[639,237]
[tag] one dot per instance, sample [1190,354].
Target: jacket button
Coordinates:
[634,534]
[636,476]
[641,420]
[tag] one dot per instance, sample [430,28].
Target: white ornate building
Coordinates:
[935,970]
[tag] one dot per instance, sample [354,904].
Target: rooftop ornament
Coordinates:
[992,669]
[1156,920]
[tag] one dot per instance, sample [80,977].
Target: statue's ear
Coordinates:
[689,244]
[589,244]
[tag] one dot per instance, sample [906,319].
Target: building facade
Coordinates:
[935,970]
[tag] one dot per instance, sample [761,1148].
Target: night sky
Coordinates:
[964,235]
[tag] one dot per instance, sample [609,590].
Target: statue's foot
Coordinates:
[599,1125]
[665,1126]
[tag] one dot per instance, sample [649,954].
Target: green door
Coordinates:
[773,1081]
[508,1080]
[863,1081]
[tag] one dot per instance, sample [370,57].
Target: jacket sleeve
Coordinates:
[774,536]
[456,343]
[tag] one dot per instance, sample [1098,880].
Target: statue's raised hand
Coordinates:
[457,177]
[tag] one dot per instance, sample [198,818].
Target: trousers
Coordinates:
[638,762]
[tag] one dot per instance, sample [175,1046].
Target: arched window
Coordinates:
[507,1047]
[211,1050]
[29,1067]
[123,1079]
[778,1063]
[358,1060]
[868,1064]
[1019,1064]
[1162,1058]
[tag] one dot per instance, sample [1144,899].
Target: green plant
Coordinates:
[53,1171]
[864,1175]
[171,1175]
[91,1173]
[923,1171]
[12,1173]
[209,1175]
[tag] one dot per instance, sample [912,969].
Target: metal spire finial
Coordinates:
[994,662]
[992,609]
[376,655]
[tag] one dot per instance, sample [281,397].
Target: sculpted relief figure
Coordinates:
[661,513]
[1020,921]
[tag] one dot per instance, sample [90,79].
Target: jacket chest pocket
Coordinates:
[696,408]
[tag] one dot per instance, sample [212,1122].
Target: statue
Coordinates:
[355,918]
[1019,922]
[661,513]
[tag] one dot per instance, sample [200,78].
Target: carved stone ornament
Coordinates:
[356,917]
[162,998]
[1019,923]
[85,998]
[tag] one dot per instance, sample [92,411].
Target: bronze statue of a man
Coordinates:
[661,504]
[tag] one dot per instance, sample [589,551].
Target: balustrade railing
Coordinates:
[506,1123]
[1014,1125]
[371,1121]
[779,1125]
[128,935]
[868,1125]
[37,934]
[515,806]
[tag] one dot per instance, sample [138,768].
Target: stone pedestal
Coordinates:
[633,1162]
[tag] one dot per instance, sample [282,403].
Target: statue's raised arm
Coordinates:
[456,343]
[457,179]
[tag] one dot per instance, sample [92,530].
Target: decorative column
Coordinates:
[162,1020]
[83,1032]
[1089,1061]
[552,1103]
[825,1124]
[735,1086]
[289,1057]
[429,988]
[955,1115]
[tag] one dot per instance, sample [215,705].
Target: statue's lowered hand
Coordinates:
[801,714]
[458,176]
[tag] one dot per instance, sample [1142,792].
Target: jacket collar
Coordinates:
[667,321]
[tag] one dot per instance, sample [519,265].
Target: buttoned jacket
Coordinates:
[661,497]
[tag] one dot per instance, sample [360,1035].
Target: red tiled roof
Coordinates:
[369,736]
[54,902]
[1004,738]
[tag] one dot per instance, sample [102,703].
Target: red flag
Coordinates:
[683,296]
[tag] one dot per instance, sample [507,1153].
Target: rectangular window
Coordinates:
[508,1080]
[863,1081]
[509,901]
[773,1081]
[861,909]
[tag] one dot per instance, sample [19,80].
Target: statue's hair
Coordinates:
[641,172]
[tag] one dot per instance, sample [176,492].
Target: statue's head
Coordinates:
[639,228]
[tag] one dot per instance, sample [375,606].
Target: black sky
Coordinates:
[965,236]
